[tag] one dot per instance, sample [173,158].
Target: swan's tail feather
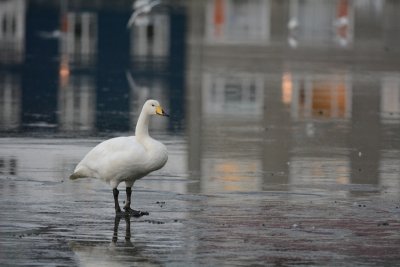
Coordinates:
[78,174]
[81,171]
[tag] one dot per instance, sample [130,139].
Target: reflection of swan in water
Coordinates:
[128,235]
[123,253]
[139,92]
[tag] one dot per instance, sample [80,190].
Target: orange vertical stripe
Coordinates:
[219,12]
[219,16]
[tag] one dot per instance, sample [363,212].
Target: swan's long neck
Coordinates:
[142,126]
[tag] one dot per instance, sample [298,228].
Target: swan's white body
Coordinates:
[126,159]
[122,159]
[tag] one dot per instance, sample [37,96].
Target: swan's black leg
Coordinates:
[127,207]
[117,208]
[128,198]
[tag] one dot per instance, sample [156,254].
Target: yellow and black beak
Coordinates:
[160,111]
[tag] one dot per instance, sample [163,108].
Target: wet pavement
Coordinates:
[50,220]
[283,140]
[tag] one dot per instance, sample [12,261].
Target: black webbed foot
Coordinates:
[135,213]
[120,213]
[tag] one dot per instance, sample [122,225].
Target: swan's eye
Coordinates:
[152,105]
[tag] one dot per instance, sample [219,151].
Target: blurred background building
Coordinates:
[267,77]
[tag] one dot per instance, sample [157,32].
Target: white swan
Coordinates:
[126,159]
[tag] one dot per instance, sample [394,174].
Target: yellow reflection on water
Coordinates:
[232,175]
[287,88]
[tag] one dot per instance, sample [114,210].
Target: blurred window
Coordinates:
[321,97]
[390,99]
[241,93]
[79,42]
[12,31]
[314,22]
[150,36]
[237,21]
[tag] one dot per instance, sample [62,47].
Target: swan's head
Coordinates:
[152,107]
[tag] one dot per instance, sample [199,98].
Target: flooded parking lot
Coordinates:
[283,139]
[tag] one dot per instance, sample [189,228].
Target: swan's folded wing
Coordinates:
[116,157]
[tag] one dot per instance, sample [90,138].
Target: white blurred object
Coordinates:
[342,21]
[293,23]
[310,129]
[293,42]
[141,7]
